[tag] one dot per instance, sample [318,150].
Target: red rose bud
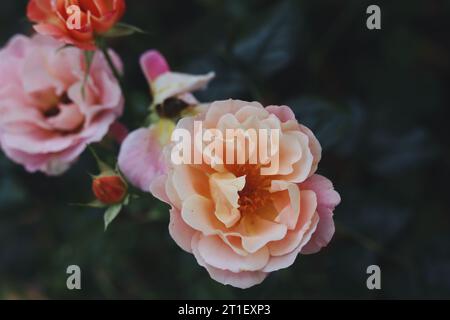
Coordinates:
[109,189]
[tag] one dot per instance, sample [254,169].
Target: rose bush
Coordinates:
[241,220]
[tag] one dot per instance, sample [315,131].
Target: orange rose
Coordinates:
[75,22]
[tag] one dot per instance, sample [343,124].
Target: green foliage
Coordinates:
[122,30]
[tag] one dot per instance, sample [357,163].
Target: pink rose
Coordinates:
[241,224]
[47,119]
[140,158]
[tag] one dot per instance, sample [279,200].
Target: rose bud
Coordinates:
[109,189]
[75,22]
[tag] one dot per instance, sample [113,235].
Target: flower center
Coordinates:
[60,112]
[255,194]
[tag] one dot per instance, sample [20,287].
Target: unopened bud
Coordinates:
[109,189]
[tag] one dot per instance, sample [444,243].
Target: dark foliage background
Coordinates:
[377,100]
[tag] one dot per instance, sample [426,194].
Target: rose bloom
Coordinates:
[54,18]
[140,157]
[46,118]
[239,224]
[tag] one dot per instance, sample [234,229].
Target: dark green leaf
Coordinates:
[88,58]
[270,47]
[122,30]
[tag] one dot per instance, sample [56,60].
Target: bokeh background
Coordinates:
[378,101]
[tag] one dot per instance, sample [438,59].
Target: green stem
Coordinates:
[110,62]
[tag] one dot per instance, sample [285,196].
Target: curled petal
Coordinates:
[173,84]
[327,200]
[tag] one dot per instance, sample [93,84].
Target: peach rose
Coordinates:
[241,224]
[55,18]
[46,118]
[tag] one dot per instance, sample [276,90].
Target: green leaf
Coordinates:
[122,30]
[126,201]
[88,58]
[270,46]
[64,47]
[111,213]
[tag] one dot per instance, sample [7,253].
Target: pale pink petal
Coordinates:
[326,195]
[286,199]
[283,113]
[242,280]
[285,261]
[314,146]
[219,255]
[225,193]
[218,109]
[36,75]
[327,199]
[251,111]
[158,188]
[69,118]
[302,168]
[198,213]
[180,231]
[324,233]
[195,182]
[52,164]
[17,46]
[294,238]
[140,158]
[171,192]
[37,141]
[257,232]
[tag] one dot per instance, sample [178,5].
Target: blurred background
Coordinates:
[377,100]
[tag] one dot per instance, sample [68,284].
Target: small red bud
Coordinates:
[109,189]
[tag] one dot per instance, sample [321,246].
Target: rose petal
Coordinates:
[140,158]
[153,65]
